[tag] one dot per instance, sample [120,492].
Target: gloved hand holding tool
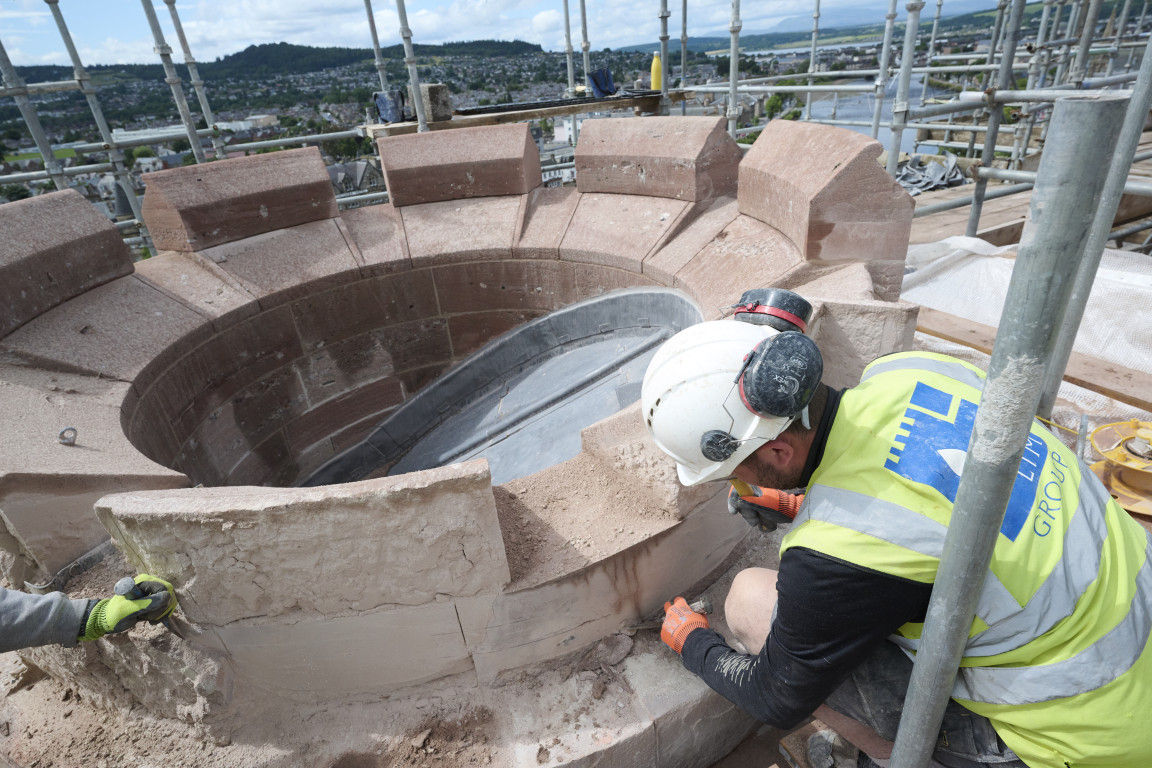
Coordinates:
[763,508]
[679,621]
[144,598]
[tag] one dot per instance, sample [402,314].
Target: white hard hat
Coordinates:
[709,402]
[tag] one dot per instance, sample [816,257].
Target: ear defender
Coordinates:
[781,375]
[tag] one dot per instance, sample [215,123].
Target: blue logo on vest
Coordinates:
[936,444]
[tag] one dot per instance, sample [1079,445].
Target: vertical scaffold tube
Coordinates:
[413,75]
[734,68]
[380,68]
[882,77]
[1004,81]
[994,40]
[931,51]
[194,76]
[1080,68]
[683,52]
[900,105]
[571,72]
[32,120]
[664,14]
[1071,175]
[585,46]
[1024,125]
[173,81]
[1114,51]
[812,59]
[1105,208]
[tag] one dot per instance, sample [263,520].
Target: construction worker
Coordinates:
[31,620]
[1056,671]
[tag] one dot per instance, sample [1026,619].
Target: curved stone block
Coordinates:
[466,162]
[461,230]
[70,248]
[685,158]
[619,230]
[196,207]
[822,187]
[852,334]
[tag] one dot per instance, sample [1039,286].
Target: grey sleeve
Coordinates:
[30,620]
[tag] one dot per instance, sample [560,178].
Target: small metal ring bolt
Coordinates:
[67,436]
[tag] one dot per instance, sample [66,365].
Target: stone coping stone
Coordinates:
[461,230]
[544,219]
[465,162]
[47,488]
[852,334]
[201,284]
[353,547]
[289,263]
[55,247]
[116,330]
[684,158]
[821,186]
[618,231]
[693,236]
[199,206]
[376,232]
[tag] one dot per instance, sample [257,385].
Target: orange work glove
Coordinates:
[766,508]
[679,621]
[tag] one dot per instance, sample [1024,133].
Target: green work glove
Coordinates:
[148,598]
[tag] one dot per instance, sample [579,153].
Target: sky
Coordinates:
[117,31]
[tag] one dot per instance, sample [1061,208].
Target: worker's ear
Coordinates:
[777,453]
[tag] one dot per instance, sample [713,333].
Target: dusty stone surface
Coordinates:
[618,230]
[502,285]
[458,164]
[403,540]
[198,282]
[461,230]
[196,207]
[437,101]
[822,187]
[852,334]
[692,237]
[115,331]
[377,233]
[746,252]
[839,282]
[74,249]
[47,489]
[685,158]
[288,263]
[544,219]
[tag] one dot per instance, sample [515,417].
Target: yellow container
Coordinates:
[657,74]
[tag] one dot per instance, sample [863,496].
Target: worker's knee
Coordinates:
[749,606]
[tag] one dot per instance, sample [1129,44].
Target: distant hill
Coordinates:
[286,58]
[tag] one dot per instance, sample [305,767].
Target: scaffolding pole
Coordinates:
[1080,68]
[115,155]
[1114,53]
[197,83]
[585,46]
[812,59]
[571,72]
[994,40]
[882,77]
[380,66]
[173,81]
[18,91]
[1105,209]
[734,67]
[931,50]
[1004,81]
[413,75]
[1072,174]
[664,14]
[900,105]
[683,52]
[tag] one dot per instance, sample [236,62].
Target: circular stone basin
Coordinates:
[521,400]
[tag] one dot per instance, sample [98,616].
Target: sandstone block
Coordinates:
[679,249]
[289,263]
[618,230]
[63,249]
[471,331]
[746,254]
[495,285]
[822,187]
[461,163]
[353,547]
[199,283]
[116,330]
[852,334]
[437,101]
[46,488]
[685,158]
[196,207]
[594,280]
[377,232]
[461,230]
[544,219]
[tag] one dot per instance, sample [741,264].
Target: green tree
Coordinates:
[14,192]
[181,145]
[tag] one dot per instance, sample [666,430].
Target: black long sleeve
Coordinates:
[830,615]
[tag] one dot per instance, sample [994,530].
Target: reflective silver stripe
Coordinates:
[955,371]
[877,518]
[1099,664]
[1056,598]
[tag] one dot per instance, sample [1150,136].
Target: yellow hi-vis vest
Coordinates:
[1058,654]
